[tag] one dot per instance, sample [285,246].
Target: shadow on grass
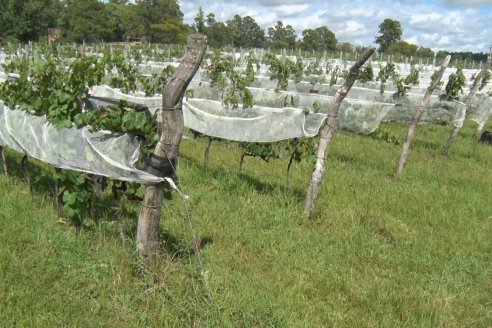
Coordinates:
[262,187]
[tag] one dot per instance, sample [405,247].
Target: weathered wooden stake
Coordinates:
[4,161]
[457,127]
[476,85]
[480,127]
[206,154]
[411,130]
[328,131]
[163,160]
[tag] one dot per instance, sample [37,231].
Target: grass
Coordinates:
[416,252]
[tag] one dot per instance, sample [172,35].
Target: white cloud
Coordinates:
[467,3]
[352,29]
[289,10]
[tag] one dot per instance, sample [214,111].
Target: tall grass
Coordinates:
[379,253]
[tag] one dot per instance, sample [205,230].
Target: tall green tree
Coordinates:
[86,20]
[328,39]
[319,39]
[391,32]
[310,40]
[199,24]
[281,37]
[217,32]
[425,52]
[157,12]
[245,32]
[403,48]
[28,20]
[131,22]
[171,31]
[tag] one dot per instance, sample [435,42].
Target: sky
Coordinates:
[451,25]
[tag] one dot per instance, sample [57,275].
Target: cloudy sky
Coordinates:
[453,25]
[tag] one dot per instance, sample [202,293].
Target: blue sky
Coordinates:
[453,25]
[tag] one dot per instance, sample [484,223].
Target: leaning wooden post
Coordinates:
[463,108]
[328,131]
[163,160]
[478,131]
[411,130]
[4,161]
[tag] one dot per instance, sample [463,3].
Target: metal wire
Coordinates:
[188,219]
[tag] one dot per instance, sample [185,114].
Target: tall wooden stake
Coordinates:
[411,130]
[4,161]
[165,153]
[328,131]
[478,131]
[462,114]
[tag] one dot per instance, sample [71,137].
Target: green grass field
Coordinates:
[379,253]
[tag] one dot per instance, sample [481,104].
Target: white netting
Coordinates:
[277,115]
[480,109]
[100,152]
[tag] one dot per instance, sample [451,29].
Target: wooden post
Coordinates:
[488,65]
[411,130]
[4,161]
[163,160]
[457,127]
[476,85]
[328,131]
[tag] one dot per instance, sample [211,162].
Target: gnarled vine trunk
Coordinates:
[163,160]
[328,131]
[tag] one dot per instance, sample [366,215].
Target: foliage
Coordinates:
[485,80]
[403,48]
[86,21]
[47,87]
[28,20]
[281,37]
[391,32]
[319,39]
[455,85]
[403,84]
[385,73]
[199,24]
[217,32]
[366,74]
[76,195]
[231,83]
[282,70]
[245,32]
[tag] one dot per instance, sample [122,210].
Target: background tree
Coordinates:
[403,48]
[245,32]
[86,20]
[199,24]
[319,39]
[28,20]
[423,52]
[328,39]
[310,40]
[157,12]
[281,37]
[345,47]
[217,32]
[391,32]
[171,31]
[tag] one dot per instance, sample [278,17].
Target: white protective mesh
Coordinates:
[480,109]
[100,152]
[278,115]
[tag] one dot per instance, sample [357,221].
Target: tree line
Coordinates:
[162,21]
